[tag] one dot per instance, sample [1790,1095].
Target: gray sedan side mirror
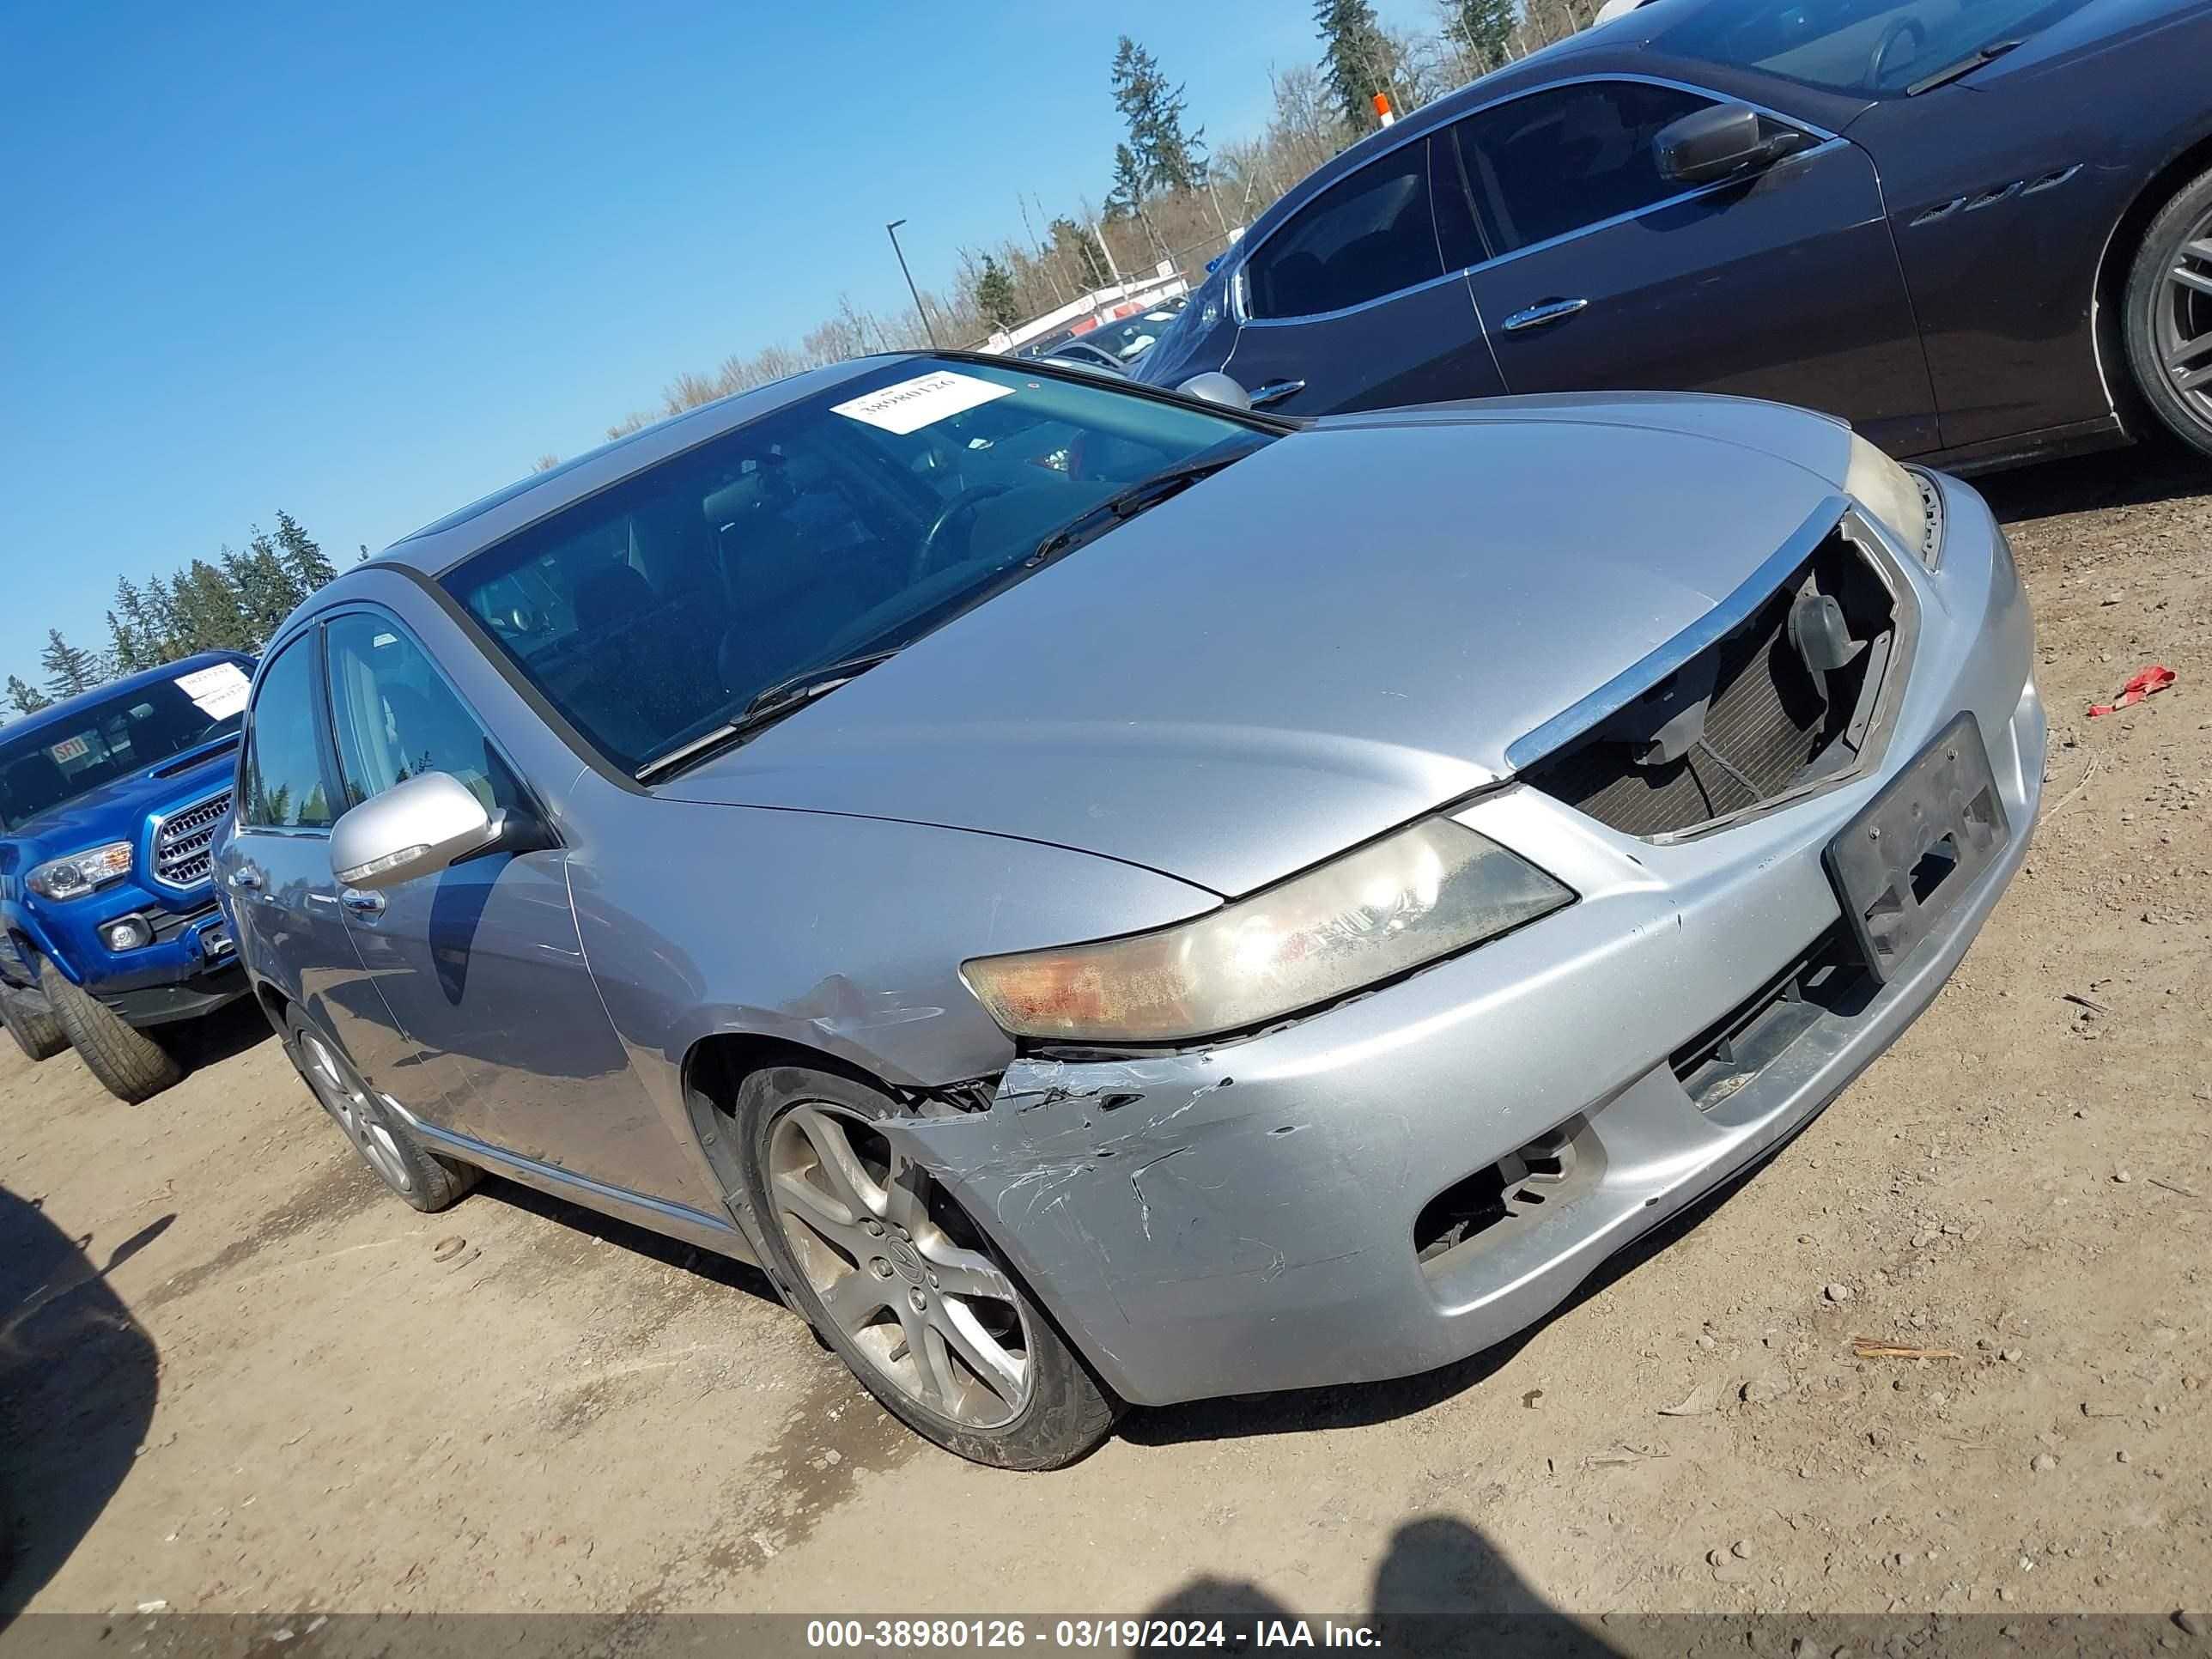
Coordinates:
[413,829]
[1216,388]
[1712,144]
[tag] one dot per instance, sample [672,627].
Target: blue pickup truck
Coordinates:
[109,930]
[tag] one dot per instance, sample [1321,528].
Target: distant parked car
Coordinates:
[109,930]
[1981,232]
[1109,898]
[1084,355]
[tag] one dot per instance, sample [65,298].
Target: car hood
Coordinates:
[1332,637]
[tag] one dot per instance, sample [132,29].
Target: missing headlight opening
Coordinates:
[1785,700]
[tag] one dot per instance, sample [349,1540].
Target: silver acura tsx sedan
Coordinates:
[1108,898]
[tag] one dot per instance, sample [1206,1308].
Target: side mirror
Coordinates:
[413,829]
[1217,388]
[1713,144]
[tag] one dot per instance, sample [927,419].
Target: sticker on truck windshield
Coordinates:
[68,748]
[219,691]
[923,401]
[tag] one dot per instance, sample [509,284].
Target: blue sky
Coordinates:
[366,263]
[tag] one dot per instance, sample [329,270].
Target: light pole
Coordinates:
[927,327]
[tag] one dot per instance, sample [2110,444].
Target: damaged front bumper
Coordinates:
[1414,1174]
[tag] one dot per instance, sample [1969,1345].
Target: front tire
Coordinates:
[394,1156]
[2168,314]
[129,1064]
[40,1036]
[896,1278]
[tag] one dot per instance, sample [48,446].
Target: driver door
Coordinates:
[1604,274]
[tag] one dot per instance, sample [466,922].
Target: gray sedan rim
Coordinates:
[354,1114]
[899,1267]
[2183,324]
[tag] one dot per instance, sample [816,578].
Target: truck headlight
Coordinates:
[1424,892]
[1905,505]
[79,872]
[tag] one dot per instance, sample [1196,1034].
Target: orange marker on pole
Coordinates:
[1383,112]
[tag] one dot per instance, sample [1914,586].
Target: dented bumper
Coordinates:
[1246,1217]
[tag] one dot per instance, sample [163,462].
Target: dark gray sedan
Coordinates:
[1110,899]
[1981,232]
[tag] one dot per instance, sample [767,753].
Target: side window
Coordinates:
[285,788]
[1553,162]
[1364,236]
[397,718]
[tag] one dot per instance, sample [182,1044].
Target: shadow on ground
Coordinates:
[2150,471]
[77,1385]
[656,1247]
[1440,1589]
[223,1035]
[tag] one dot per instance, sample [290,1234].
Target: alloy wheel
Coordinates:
[2182,321]
[362,1124]
[899,1267]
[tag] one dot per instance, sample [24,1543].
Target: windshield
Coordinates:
[1879,47]
[857,519]
[112,738]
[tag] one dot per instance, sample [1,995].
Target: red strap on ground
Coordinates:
[2152,679]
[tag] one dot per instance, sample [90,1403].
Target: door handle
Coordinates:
[1275,390]
[1537,316]
[246,879]
[360,903]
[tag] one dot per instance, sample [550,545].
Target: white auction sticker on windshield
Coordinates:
[923,401]
[219,691]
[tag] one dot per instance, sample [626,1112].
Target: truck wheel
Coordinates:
[896,1278]
[2168,318]
[129,1064]
[426,1181]
[40,1036]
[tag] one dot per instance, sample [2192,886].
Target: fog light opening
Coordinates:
[127,934]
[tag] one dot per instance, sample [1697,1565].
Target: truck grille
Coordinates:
[1765,722]
[181,842]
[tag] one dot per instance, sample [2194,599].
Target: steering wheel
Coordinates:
[926,552]
[1891,37]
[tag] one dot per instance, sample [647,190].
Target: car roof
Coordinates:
[60,714]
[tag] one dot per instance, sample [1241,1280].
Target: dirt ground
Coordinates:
[283,1398]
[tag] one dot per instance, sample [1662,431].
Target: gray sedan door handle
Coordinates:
[360,903]
[1536,316]
[246,879]
[1275,390]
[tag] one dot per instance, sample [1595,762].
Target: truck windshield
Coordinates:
[1882,48]
[844,524]
[102,741]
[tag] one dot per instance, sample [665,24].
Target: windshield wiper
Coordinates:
[788,695]
[1125,504]
[1967,65]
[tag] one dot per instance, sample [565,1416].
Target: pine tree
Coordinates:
[267,591]
[1165,156]
[1075,247]
[163,630]
[27,699]
[1356,58]
[68,669]
[211,612]
[995,297]
[1483,29]
[302,555]
[127,630]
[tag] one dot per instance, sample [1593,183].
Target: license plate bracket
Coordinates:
[1900,865]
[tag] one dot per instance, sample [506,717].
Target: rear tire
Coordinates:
[40,1036]
[129,1064]
[2167,314]
[394,1156]
[932,1322]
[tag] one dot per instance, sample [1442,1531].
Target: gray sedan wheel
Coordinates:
[2169,315]
[426,1182]
[905,1287]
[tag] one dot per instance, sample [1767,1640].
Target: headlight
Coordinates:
[79,872]
[1905,506]
[1424,893]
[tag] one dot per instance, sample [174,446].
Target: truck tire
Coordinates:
[130,1065]
[38,1034]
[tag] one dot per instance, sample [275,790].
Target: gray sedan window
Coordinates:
[1554,162]
[1367,235]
